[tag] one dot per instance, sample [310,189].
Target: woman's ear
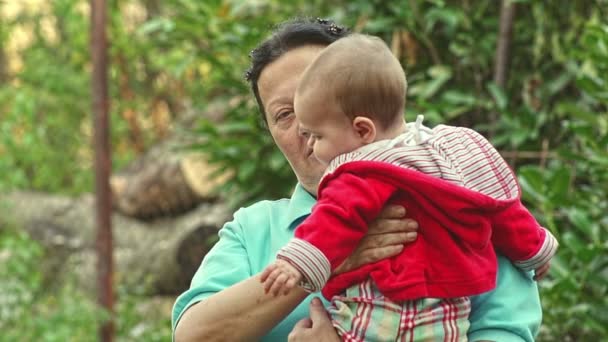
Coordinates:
[365,129]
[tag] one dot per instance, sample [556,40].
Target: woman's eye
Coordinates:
[282,115]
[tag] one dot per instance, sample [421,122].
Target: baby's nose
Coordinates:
[311,142]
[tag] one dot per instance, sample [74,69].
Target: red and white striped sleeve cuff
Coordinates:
[310,261]
[544,254]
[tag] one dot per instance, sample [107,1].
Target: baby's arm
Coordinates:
[515,232]
[339,220]
[517,235]
[280,277]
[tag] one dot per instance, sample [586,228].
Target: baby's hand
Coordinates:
[542,271]
[280,277]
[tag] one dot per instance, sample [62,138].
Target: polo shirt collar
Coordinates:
[300,205]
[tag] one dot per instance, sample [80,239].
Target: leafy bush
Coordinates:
[45,105]
[187,53]
[30,311]
[570,196]
[215,55]
[555,96]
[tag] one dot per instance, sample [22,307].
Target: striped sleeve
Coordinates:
[544,254]
[309,260]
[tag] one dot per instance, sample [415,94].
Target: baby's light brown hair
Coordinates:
[362,74]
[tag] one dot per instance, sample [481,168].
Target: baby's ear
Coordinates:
[365,129]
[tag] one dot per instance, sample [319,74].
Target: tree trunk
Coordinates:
[162,255]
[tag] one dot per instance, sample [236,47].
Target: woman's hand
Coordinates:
[385,238]
[316,328]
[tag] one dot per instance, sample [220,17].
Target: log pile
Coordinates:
[166,217]
[162,254]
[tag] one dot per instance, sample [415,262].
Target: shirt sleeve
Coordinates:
[225,264]
[510,312]
[518,236]
[339,220]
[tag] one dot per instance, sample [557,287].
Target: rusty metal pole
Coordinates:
[505,35]
[501,61]
[99,88]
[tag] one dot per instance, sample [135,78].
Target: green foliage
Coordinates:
[214,55]
[247,152]
[39,136]
[28,313]
[570,196]
[555,96]
[449,59]
[31,312]
[188,53]
[45,105]
[18,257]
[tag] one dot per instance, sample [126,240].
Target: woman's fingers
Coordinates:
[372,248]
[305,323]
[316,328]
[387,239]
[376,254]
[392,212]
[383,226]
[365,256]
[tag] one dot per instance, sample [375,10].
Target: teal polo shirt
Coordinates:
[250,242]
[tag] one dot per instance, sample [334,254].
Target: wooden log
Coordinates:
[168,180]
[164,186]
[162,255]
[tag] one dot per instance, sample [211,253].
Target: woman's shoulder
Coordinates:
[275,215]
[259,224]
[262,206]
[263,211]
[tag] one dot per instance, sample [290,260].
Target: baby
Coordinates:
[350,103]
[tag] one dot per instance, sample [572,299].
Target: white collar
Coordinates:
[415,134]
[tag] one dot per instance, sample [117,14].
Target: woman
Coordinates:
[226,301]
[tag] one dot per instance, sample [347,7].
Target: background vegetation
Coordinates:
[173,56]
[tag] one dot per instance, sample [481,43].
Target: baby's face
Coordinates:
[330,132]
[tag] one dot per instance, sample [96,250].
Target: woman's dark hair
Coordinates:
[286,36]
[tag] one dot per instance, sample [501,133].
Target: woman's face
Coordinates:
[277,86]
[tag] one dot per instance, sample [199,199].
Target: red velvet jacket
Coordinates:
[459,189]
[454,253]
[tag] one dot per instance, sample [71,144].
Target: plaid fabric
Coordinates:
[364,314]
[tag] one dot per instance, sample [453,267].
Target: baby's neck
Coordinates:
[392,131]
